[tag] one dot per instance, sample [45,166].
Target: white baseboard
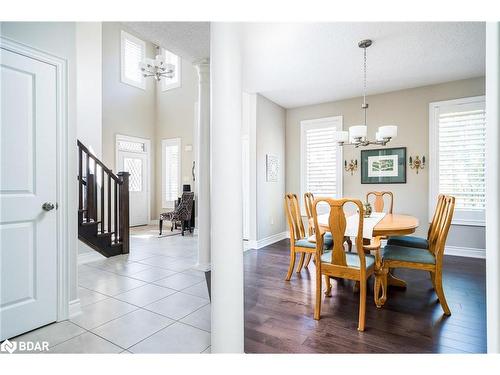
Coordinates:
[90,256]
[74,308]
[469,252]
[258,244]
[154,222]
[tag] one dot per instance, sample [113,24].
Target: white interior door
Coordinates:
[28,179]
[136,163]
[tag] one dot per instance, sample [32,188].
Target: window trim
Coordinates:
[324,122]
[164,143]
[123,36]
[178,72]
[460,217]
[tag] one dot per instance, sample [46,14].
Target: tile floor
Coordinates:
[149,301]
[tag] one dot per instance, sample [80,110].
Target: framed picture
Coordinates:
[383,166]
[272,168]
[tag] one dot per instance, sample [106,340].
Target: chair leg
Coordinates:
[362,305]
[328,291]
[317,305]
[291,266]
[440,293]
[172,226]
[182,227]
[433,276]
[349,243]
[301,262]
[308,259]
[161,225]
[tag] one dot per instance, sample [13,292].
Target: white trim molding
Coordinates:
[75,308]
[259,244]
[468,252]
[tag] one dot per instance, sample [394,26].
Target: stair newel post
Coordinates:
[124,211]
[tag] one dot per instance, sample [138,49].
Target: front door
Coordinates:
[28,188]
[136,163]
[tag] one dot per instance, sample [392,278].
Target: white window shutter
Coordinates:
[171,171]
[133,52]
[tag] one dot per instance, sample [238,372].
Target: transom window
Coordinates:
[133,51]
[457,150]
[175,81]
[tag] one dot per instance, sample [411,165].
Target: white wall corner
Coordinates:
[74,308]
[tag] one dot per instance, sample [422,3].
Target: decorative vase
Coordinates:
[368,209]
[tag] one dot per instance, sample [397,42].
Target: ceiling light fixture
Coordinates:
[357,134]
[157,67]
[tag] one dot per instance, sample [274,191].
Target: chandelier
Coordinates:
[157,67]
[356,136]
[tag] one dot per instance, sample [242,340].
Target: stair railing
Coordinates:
[103,197]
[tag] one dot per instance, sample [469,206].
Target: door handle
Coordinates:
[48,206]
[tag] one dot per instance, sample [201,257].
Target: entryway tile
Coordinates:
[111,285]
[199,290]
[88,297]
[54,333]
[145,295]
[179,281]
[201,318]
[176,338]
[86,343]
[126,268]
[177,305]
[132,328]
[153,274]
[181,265]
[102,312]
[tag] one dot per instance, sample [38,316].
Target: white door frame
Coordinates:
[147,145]
[66,149]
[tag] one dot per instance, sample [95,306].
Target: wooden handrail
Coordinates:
[103,196]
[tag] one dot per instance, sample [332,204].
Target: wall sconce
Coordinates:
[417,163]
[352,166]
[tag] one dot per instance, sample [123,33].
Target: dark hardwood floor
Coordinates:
[279,314]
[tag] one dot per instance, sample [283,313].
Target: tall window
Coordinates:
[175,81]
[457,131]
[171,167]
[133,51]
[321,158]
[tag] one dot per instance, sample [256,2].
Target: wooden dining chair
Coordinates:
[419,242]
[429,259]
[378,203]
[299,241]
[338,262]
[308,202]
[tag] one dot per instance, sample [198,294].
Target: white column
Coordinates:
[203,165]
[225,192]
[493,185]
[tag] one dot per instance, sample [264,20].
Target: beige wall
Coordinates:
[176,119]
[270,134]
[409,109]
[126,109]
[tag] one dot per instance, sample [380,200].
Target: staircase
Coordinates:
[103,205]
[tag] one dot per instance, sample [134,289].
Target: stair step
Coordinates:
[89,223]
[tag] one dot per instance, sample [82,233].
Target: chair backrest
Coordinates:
[294,218]
[378,204]
[308,203]
[437,212]
[437,241]
[185,207]
[337,224]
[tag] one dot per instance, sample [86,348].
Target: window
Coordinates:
[171,167]
[175,81]
[457,155]
[133,51]
[321,158]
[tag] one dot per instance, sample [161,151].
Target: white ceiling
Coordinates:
[191,40]
[296,64]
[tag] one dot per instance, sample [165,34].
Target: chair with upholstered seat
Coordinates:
[419,242]
[426,259]
[339,262]
[299,242]
[181,214]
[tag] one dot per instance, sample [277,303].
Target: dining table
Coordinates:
[389,225]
